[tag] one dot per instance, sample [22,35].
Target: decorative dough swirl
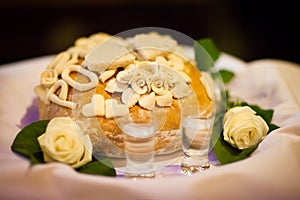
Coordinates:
[140,83]
[63,60]
[159,84]
[49,77]
[80,86]
[62,98]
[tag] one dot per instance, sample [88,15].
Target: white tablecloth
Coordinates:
[272,172]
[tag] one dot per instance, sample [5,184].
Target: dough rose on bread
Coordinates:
[64,142]
[242,128]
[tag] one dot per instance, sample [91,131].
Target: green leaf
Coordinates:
[272,127]
[206,53]
[226,75]
[26,143]
[227,153]
[211,48]
[101,166]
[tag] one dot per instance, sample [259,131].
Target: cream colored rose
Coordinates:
[64,142]
[140,83]
[242,128]
[159,84]
[49,77]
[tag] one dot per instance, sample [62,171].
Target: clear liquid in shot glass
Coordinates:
[139,149]
[196,135]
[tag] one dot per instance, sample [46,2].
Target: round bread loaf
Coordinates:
[131,75]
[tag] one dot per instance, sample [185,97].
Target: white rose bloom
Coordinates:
[49,77]
[159,84]
[140,83]
[64,142]
[242,128]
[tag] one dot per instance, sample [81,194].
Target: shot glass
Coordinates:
[139,145]
[196,135]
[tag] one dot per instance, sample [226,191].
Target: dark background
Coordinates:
[249,29]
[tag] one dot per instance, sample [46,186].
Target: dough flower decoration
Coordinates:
[140,83]
[49,77]
[147,81]
[159,84]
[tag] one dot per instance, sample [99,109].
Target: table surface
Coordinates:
[272,171]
